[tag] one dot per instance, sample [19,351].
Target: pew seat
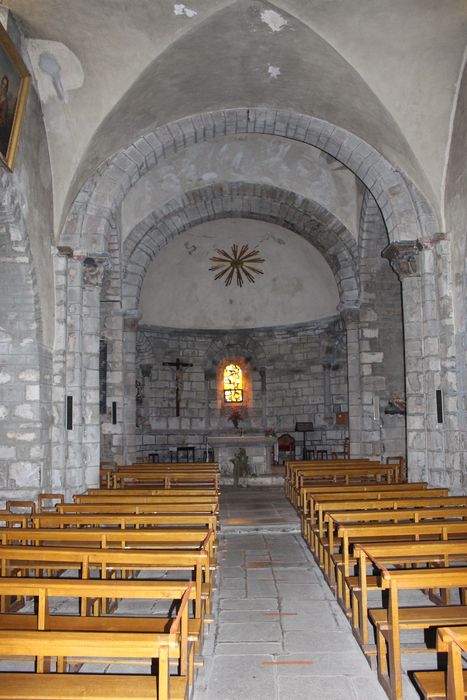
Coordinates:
[98,686]
[433,684]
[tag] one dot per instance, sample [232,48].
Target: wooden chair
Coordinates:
[345,454]
[285,447]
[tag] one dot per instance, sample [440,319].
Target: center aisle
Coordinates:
[279,634]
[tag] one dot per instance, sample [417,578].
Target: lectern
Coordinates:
[304,427]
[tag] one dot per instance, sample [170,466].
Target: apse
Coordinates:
[294,283]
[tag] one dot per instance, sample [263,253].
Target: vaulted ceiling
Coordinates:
[108,70]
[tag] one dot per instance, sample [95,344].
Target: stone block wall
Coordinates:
[289,384]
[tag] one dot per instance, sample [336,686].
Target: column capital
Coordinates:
[131,318]
[403,257]
[94,268]
[349,311]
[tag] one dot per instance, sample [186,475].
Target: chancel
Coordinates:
[233,229]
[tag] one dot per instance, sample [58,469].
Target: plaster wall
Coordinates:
[262,159]
[180,291]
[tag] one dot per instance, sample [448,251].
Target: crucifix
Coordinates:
[179,366]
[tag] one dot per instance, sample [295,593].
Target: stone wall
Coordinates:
[26,309]
[293,379]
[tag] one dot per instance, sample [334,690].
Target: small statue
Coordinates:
[241,466]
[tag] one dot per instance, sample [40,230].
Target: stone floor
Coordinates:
[278,632]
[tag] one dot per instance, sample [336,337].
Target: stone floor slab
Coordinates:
[279,633]
[243,677]
[249,632]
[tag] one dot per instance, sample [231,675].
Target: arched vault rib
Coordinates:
[88,221]
[242,200]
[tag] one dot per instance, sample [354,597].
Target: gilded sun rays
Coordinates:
[240,264]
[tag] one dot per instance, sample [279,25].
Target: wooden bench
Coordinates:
[20,560]
[380,474]
[107,472]
[338,473]
[44,590]
[122,521]
[321,505]
[91,645]
[342,492]
[166,480]
[105,538]
[450,685]
[347,535]
[145,492]
[388,623]
[405,554]
[128,507]
[438,513]
[168,497]
[293,466]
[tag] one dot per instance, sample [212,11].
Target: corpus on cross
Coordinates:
[179,367]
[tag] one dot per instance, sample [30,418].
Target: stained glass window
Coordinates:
[233,384]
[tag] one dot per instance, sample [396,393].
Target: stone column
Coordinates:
[76,451]
[350,316]
[59,433]
[404,257]
[146,373]
[130,329]
[327,391]
[93,274]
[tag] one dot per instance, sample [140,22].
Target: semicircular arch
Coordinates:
[406,212]
[242,200]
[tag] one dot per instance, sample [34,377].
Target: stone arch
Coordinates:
[144,348]
[242,200]
[404,208]
[238,343]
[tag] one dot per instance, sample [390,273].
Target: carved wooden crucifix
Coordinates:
[179,366]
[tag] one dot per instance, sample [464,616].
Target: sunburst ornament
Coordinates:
[239,264]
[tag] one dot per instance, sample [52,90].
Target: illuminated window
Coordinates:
[233,384]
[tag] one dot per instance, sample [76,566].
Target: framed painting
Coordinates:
[14,86]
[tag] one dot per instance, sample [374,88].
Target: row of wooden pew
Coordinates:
[379,539]
[137,569]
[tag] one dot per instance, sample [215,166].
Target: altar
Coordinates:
[258,447]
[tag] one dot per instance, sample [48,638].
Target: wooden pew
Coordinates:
[308,493]
[293,466]
[450,685]
[22,559]
[100,645]
[377,474]
[347,535]
[169,466]
[167,497]
[104,538]
[122,521]
[75,643]
[438,513]
[389,623]
[107,472]
[129,507]
[43,590]
[400,554]
[141,493]
[320,505]
[165,480]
